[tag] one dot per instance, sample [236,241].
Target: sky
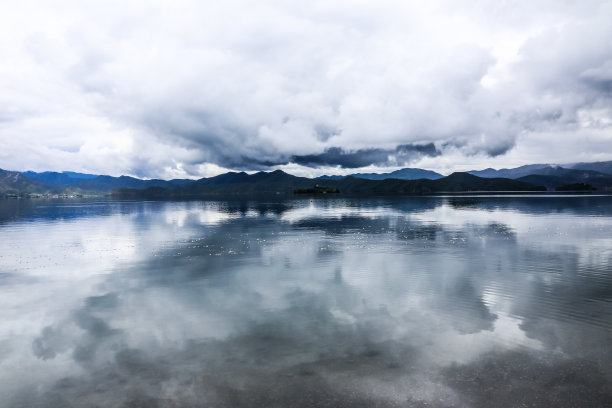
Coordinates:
[172,89]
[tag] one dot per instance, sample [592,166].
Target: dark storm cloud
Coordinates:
[336,156]
[250,163]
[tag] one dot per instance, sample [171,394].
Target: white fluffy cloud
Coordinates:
[190,88]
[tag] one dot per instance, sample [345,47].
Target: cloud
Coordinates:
[336,156]
[159,91]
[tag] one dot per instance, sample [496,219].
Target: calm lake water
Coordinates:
[412,302]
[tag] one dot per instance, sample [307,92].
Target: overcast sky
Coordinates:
[191,88]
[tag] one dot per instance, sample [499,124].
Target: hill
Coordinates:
[281,183]
[228,184]
[600,181]
[604,167]
[402,174]
[513,173]
[68,182]
[555,176]
[403,181]
[461,181]
[107,184]
[53,178]
[15,183]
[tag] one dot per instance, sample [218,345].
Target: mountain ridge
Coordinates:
[544,169]
[408,173]
[281,183]
[278,182]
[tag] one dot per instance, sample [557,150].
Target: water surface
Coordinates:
[412,302]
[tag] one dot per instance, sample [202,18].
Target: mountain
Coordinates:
[404,181]
[544,169]
[15,183]
[67,182]
[107,184]
[462,181]
[228,184]
[71,182]
[555,177]
[402,174]
[53,178]
[578,175]
[510,173]
[281,183]
[604,167]
[552,176]
[326,177]
[550,182]
[82,176]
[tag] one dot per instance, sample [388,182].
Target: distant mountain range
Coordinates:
[53,178]
[13,182]
[402,174]
[67,182]
[534,177]
[281,183]
[543,169]
[604,167]
[509,173]
[553,176]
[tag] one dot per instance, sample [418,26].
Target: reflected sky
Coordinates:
[424,302]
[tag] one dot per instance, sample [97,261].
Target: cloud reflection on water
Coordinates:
[419,302]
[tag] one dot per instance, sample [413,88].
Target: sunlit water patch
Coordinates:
[437,302]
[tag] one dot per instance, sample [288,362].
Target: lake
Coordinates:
[400,302]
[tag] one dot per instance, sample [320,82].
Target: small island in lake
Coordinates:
[317,189]
[576,187]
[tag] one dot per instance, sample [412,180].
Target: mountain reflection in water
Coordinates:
[417,302]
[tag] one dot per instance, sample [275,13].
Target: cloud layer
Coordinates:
[189,88]
[336,156]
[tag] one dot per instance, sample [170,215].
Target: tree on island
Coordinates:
[576,187]
[317,189]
